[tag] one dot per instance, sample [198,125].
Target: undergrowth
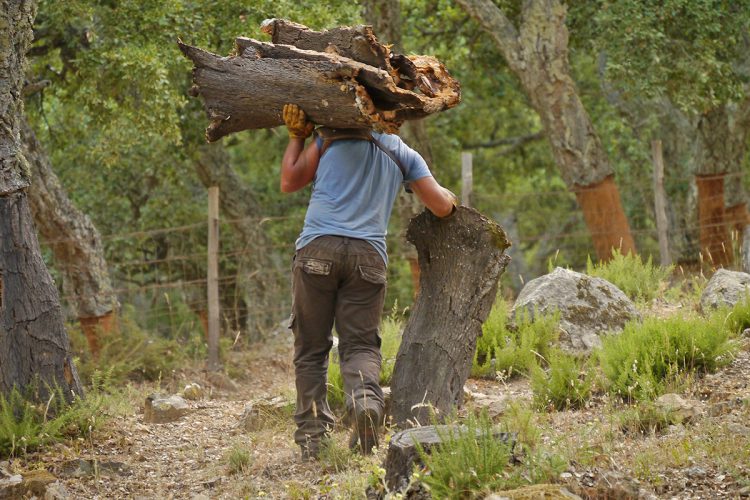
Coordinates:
[513,350]
[637,279]
[27,425]
[472,461]
[639,362]
[565,384]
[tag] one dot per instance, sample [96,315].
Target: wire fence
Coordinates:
[164,284]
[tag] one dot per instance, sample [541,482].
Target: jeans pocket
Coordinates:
[373,275]
[317,267]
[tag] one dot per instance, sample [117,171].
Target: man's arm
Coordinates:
[299,164]
[436,198]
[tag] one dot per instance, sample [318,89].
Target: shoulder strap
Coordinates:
[329,135]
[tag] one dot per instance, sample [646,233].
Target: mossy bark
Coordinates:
[461,259]
[34,346]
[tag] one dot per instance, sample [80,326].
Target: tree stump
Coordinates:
[461,259]
[341,78]
[403,453]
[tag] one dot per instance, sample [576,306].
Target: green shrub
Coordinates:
[645,418]
[26,426]
[565,384]
[637,279]
[239,458]
[471,462]
[515,350]
[131,353]
[736,319]
[641,360]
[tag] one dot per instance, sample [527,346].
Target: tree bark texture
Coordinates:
[33,343]
[602,211]
[461,258]
[259,292]
[714,233]
[341,78]
[34,346]
[75,243]
[537,52]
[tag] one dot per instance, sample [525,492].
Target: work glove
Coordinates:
[455,201]
[296,122]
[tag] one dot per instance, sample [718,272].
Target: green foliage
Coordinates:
[514,350]
[566,384]
[687,50]
[130,352]
[471,462]
[645,418]
[639,362]
[26,425]
[637,279]
[737,319]
[335,456]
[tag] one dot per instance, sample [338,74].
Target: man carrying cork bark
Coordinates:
[339,270]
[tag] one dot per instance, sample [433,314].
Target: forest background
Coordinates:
[108,102]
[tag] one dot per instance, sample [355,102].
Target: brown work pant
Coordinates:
[341,280]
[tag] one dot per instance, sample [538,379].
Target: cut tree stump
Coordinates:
[341,78]
[461,259]
[403,454]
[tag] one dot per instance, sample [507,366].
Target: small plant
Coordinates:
[513,350]
[640,361]
[565,384]
[645,418]
[736,319]
[335,456]
[469,461]
[26,425]
[472,460]
[637,279]
[239,459]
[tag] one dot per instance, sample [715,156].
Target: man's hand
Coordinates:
[296,122]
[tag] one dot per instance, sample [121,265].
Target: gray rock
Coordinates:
[160,409]
[11,487]
[56,491]
[680,410]
[738,429]
[83,468]
[725,288]
[588,307]
[222,382]
[263,412]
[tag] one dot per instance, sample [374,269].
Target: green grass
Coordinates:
[471,462]
[26,425]
[639,280]
[565,384]
[642,360]
[239,458]
[514,350]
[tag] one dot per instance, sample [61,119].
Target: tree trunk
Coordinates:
[720,151]
[537,52]
[75,243]
[34,346]
[341,78]
[461,258]
[238,204]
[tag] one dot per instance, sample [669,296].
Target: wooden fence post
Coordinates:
[213,279]
[660,203]
[467,179]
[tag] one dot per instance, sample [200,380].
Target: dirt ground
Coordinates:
[190,458]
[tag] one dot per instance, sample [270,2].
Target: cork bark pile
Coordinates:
[342,77]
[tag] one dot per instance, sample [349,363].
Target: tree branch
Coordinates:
[497,25]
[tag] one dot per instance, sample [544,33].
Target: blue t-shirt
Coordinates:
[354,189]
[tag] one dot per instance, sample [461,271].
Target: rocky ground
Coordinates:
[207,453]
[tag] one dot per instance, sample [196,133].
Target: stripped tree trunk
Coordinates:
[239,205]
[34,346]
[721,150]
[462,258]
[75,243]
[537,52]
